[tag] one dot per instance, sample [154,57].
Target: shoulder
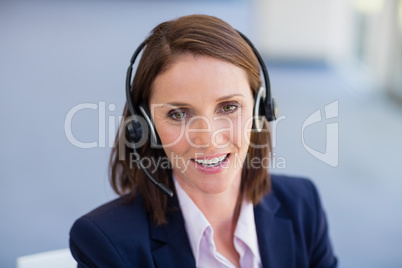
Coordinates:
[296,199]
[120,209]
[290,184]
[292,189]
[119,214]
[115,217]
[101,236]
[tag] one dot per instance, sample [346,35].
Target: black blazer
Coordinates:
[291,228]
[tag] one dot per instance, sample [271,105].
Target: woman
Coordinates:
[197,83]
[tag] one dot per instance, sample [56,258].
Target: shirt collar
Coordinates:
[245,228]
[192,217]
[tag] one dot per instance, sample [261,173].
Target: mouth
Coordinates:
[212,162]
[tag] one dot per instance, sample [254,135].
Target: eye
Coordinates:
[177,114]
[229,108]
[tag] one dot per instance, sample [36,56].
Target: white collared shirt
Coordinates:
[200,234]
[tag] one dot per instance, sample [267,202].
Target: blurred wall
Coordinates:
[309,30]
[380,43]
[359,36]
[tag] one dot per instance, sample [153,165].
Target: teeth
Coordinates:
[211,162]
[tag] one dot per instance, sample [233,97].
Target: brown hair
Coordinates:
[196,35]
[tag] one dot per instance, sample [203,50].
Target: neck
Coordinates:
[222,212]
[221,209]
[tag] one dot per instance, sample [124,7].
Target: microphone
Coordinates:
[166,190]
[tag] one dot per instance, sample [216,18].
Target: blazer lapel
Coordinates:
[275,235]
[171,247]
[170,244]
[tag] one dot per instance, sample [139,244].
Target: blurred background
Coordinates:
[336,72]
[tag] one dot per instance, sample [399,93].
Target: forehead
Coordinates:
[199,78]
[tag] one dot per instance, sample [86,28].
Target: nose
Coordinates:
[205,132]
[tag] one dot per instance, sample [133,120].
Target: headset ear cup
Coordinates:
[134,131]
[155,140]
[275,109]
[259,109]
[271,110]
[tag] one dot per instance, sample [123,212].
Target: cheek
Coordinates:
[243,130]
[173,140]
[169,135]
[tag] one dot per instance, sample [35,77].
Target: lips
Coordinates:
[211,162]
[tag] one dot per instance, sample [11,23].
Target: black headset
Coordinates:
[264,105]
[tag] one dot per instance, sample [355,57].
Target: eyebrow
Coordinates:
[229,97]
[182,104]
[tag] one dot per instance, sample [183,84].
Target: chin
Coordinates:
[195,181]
[218,184]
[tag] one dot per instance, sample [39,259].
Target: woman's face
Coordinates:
[202,108]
